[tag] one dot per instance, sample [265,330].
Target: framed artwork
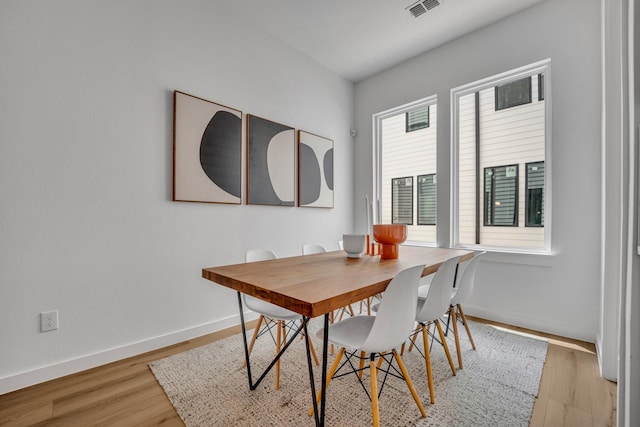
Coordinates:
[315,171]
[270,163]
[207,151]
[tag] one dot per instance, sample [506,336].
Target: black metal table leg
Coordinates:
[312,380]
[323,385]
[252,385]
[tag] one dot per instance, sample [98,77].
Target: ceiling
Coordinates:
[359,38]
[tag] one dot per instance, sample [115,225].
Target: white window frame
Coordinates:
[544,67]
[377,120]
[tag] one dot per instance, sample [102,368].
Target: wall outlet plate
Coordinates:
[48,321]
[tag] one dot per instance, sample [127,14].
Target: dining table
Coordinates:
[316,285]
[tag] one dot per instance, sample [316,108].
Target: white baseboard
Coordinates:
[67,367]
[563,330]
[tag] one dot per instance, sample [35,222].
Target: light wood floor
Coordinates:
[126,393]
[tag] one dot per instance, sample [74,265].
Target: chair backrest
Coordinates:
[465,287]
[312,248]
[252,255]
[439,296]
[396,313]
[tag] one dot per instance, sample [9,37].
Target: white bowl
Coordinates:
[353,244]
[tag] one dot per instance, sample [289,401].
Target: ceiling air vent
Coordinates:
[417,10]
[430,4]
[422,7]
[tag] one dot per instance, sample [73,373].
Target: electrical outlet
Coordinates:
[48,321]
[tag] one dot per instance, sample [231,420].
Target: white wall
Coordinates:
[560,294]
[628,410]
[87,225]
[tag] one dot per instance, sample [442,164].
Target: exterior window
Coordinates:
[417,119]
[500,162]
[501,195]
[513,94]
[535,195]
[427,199]
[413,154]
[402,200]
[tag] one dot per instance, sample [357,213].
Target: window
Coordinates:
[417,119]
[405,151]
[535,195]
[427,199]
[540,87]
[501,162]
[402,200]
[501,195]
[513,94]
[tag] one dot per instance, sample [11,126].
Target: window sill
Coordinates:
[505,256]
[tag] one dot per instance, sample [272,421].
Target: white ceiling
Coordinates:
[358,38]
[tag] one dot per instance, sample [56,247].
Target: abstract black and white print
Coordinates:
[315,170]
[270,163]
[207,151]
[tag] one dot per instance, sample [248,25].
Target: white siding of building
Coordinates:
[511,136]
[408,154]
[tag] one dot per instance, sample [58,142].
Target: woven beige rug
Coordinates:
[208,385]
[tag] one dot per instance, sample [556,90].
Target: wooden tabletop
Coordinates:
[313,285]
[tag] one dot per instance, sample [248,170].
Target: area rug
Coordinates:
[208,385]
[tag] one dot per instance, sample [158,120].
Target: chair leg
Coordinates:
[413,339]
[446,347]
[313,352]
[278,343]
[374,392]
[332,370]
[466,326]
[253,338]
[381,359]
[427,361]
[454,322]
[412,389]
[331,319]
[362,354]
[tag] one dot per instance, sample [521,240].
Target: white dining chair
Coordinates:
[313,248]
[271,315]
[379,336]
[428,312]
[459,294]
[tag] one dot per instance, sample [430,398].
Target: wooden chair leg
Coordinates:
[331,349]
[278,344]
[427,362]
[313,352]
[407,379]
[466,326]
[374,393]
[381,359]
[351,310]
[412,339]
[332,370]
[361,366]
[253,338]
[369,306]
[445,346]
[454,322]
